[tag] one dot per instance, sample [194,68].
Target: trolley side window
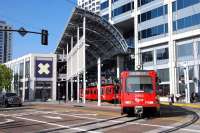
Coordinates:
[136,84]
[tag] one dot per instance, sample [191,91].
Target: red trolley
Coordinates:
[138,92]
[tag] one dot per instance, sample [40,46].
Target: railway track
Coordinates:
[96,125]
[195,118]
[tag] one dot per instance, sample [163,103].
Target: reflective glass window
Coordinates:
[180,4]
[185,50]
[143,2]
[164,89]
[180,24]
[147,56]
[122,9]
[162,54]
[106,16]
[188,21]
[191,72]
[153,31]
[198,46]
[104,5]
[162,10]
[21,70]
[163,74]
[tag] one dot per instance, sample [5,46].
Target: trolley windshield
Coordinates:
[139,84]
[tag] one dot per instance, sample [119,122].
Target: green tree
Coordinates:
[5,78]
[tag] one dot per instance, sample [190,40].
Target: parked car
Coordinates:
[8,99]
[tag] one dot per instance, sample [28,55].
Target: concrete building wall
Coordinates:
[35,76]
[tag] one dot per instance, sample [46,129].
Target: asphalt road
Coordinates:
[42,118]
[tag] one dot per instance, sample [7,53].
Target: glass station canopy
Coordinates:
[102,39]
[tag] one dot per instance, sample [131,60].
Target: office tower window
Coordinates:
[153,31]
[106,16]
[123,9]
[160,11]
[186,22]
[162,54]
[185,51]
[143,2]
[104,5]
[147,57]
[180,4]
[163,74]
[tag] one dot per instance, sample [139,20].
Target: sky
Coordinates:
[35,15]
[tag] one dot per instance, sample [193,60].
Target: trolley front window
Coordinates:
[138,84]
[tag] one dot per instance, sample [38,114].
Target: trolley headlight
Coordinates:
[128,102]
[149,102]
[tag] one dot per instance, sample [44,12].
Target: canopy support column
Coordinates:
[78,93]
[72,90]
[67,86]
[84,58]
[67,98]
[120,65]
[99,80]
[78,96]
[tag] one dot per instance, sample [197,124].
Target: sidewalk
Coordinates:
[191,105]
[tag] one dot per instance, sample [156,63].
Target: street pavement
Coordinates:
[71,117]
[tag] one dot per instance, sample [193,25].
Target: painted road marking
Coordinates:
[54,124]
[83,117]
[7,121]
[48,123]
[53,117]
[62,126]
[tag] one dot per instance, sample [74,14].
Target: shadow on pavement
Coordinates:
[174,111]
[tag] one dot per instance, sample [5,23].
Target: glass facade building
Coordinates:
[166,36]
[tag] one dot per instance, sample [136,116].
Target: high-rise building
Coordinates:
[165,35]
[90,5]
[5,43]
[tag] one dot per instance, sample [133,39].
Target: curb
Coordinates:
[15,108]
[183,105]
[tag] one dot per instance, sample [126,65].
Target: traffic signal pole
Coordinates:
[23,32]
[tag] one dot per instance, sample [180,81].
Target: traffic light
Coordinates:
[44,37]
